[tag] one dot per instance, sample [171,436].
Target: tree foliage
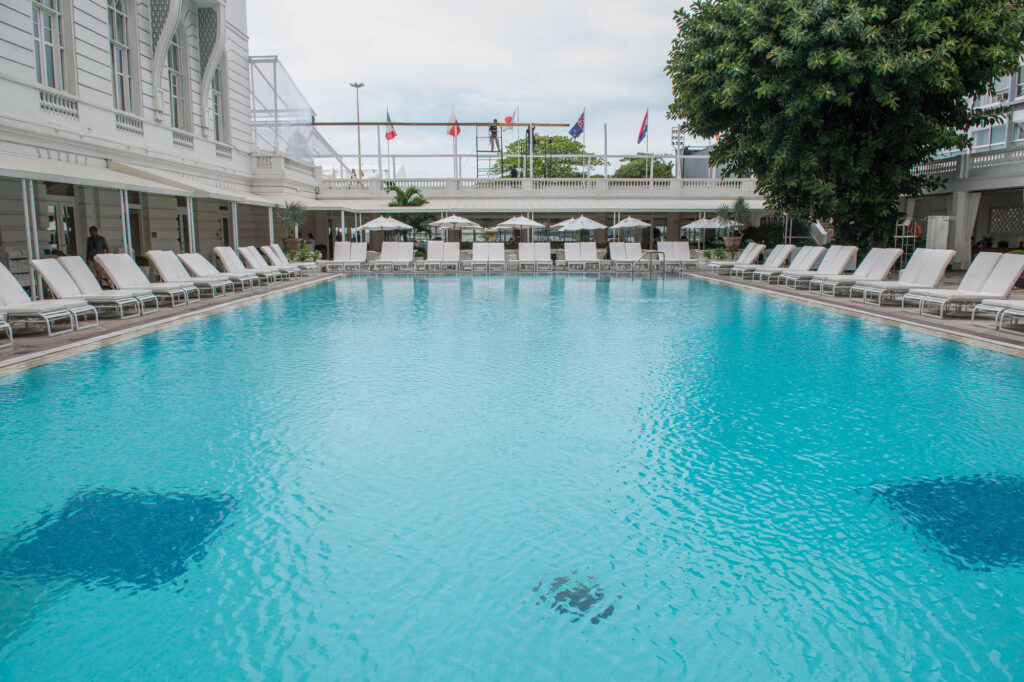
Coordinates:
[409,196]
[291,217]
[639,167]
[516,155]
[831,103]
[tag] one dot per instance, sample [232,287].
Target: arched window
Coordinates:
[48,38]
[121,74]
[217,106]
[176,83]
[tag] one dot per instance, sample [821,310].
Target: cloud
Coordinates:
[551,59]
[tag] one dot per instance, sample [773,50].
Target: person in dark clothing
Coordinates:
[493,130]
[94,246]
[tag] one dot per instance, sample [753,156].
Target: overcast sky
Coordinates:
[551,58]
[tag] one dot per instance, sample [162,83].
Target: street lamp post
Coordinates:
[359,128]
[678,144]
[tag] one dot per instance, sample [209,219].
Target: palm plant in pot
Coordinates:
[734,218]
[291,217]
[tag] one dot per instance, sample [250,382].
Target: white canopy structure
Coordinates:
[520,222]
[455,222]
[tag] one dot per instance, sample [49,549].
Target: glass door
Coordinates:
[61,227]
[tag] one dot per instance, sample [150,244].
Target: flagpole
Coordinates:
[380,169]
[605,150]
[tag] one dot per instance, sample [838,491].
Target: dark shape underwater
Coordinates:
[977,520]
[574,597]
[117,539]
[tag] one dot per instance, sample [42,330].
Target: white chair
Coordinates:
[123,273]
[8,334]
[987,278]
[496,256]
[171,271]
[255,260]
[875,266]
[62,286]
[924,271]
[834,262]
[1001,310]
[748,256]
[451,254]
[198,266]
[87,283]
[481,257]
[435,255]
[776,259]
[804,261]
[15,305]
[582,255]
[232,265]
[280,258]
[395,255]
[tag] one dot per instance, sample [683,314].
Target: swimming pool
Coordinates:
[503,477]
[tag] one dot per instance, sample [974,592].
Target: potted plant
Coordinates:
[304,253]
[291,217]
[734,218]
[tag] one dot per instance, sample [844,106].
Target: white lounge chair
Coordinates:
[581,255]
[875,266]
[62,286]
[198,266]
[677,254]
[16,306]
[834,262]
[394,255]
[924,271]
[1001,310]
[275,256]
[87,283]
[776,259]
[624,255]
[172,271]
[123,273]
[233,265]
[536,255]
[987,278]
[804,261]
[255,260]
[487,255]
[748,256]
[441,255]
[7,338]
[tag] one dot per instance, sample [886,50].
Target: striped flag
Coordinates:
[453,125]
[389,130]
[643,128]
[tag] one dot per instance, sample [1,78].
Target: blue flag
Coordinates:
[577,129]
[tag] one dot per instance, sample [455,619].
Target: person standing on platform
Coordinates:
[493,130]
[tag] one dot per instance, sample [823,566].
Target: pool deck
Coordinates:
[32,350]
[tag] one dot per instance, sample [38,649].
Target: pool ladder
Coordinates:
[651,257]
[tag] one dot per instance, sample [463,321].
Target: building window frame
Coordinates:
[122,55]
[51,38]
[218,105]
[177,83]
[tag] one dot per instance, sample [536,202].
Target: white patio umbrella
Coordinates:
[455,222]
[629,222]
[520,222]
[383,223]
[581,223]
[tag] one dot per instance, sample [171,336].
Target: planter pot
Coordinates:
[291,244]
[732,242]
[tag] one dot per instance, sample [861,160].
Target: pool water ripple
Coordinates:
[701,483]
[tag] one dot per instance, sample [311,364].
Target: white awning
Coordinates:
[198,187]
[48,170]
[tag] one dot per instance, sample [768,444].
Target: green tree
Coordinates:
[639,167]
[409,196]
[831,103]
[735,217]
[516,155]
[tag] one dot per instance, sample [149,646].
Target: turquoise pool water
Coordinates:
[537,477]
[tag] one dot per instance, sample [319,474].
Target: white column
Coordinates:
[270,222]
[126,234]
[30,208]
[190,207]
[965,214]
[234,225]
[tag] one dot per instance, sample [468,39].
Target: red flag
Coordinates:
[514,118]
[453,125]
[389,130]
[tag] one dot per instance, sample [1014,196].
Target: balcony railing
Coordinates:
[965,164]
[712,187]
[183,139]
[58,103]
[128,123]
